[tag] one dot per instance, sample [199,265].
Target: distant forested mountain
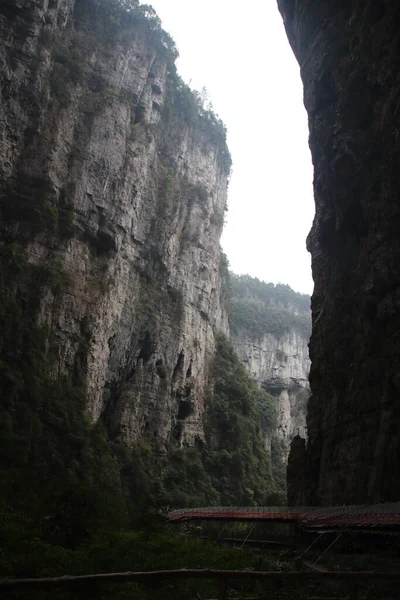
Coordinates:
[260,307]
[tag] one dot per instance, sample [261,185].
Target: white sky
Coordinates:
[241,55]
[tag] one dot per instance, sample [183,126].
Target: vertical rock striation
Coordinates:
[350,65]
[280,366]
[270,328]
[110,174]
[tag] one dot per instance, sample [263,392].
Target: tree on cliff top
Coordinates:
[258,308]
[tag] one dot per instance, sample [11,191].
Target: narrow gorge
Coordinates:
[138,373]
[270,330]
[116,367]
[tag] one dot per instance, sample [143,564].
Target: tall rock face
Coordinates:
[270,327]
[280,366]
[113,185]
[350,65]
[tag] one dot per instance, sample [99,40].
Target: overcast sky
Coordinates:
[240,53]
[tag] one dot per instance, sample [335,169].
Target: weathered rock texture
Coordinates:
[350,65]
[104,175]
[270,329]
[280,365]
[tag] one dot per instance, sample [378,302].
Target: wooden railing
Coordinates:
[375,515]
[222,578]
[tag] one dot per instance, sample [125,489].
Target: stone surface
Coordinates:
[280,365]
[296,486]
[350,65]
[85,129]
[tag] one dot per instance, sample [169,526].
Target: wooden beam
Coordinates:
[147,577]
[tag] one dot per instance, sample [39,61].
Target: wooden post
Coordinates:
[352,589]
[222,588]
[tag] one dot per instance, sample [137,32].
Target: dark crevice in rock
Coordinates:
[147,349]
[156,89]
[185,409]
[160,368]
[376,11]
[177,431]
[131,373]
[11,10]
[139,113]
[80,362]
[189,370]
[179,365]
[102,243]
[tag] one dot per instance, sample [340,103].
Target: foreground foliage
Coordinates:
[156,546]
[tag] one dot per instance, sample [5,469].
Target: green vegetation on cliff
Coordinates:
[258,308]
[119,22]
[64,483]
[69,495]
[231,467]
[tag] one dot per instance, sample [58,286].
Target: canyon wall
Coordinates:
[113,188]
[270,328]
[349,58]
[280,366]
[113,289]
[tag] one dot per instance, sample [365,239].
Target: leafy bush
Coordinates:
[183,103]
[226,289]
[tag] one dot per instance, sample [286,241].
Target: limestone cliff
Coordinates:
[113,181]
[349,58]
[270,331]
